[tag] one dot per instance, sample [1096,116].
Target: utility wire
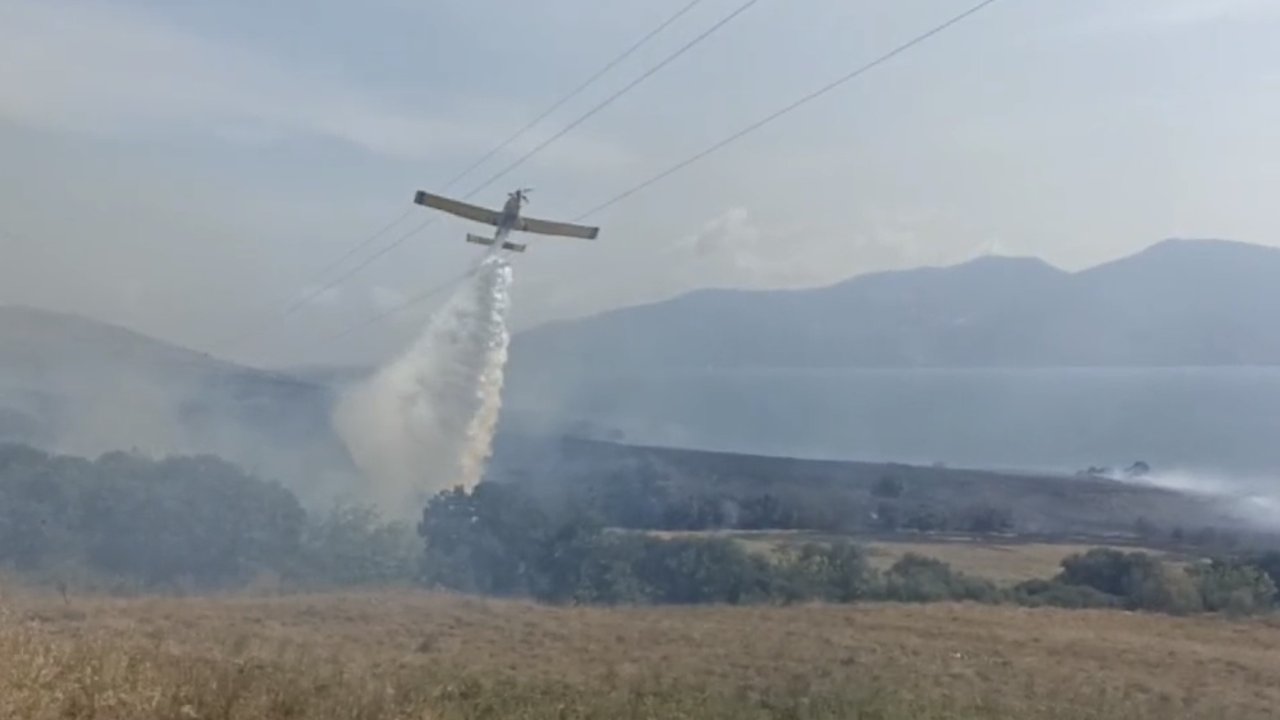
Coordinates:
[414,300]
[565,131]
[352,251]
[748,129]
[609,100]
[574,93]
[544,144]
[787,109]
[306,299]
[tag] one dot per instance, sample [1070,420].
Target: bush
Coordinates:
[352,546]
[1109,571]
[1234,588]
[1268,563]
[840,572]
[1162,588]
[915,578]
[1037,593]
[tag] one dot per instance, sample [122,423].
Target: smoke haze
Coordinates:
[425,422]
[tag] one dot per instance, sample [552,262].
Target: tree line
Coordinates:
[499,540]
[642,498]
[124,522]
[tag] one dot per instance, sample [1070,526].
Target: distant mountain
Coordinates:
[77,385]
[1178,303]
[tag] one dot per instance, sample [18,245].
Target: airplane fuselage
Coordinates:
[504,221]
[509,219]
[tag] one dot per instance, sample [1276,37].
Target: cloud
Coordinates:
[99,68]
[731,237]
[734,247]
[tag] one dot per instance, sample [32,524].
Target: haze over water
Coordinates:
[1219,422]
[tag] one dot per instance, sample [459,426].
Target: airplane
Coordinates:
[506,221]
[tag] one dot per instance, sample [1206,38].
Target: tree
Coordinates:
[986,519]
[1138,469]
[1104,569]
[352,545]
[1164,589]
[1234,588]
[1138,580]
[839,572]
[1269,563]
[485,541]
[915,578]
[926,519]
[888,516]
[889,487]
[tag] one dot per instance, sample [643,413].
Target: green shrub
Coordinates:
[1234,588]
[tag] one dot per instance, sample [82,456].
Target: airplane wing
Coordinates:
[547,227]
[461,209]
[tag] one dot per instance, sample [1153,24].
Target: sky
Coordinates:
[188,169]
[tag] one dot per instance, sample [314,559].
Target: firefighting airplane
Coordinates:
[506,221]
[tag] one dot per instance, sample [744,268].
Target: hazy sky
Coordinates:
[186,168]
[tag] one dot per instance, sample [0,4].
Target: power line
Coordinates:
[306,299]
[752,127]
[544,144]
[414,300]
[787,109]
[489,155]
[609,100]
[365,243]
[566,130]
[575,92]
[358,267]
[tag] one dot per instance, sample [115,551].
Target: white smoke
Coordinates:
[1250,500]
[425,422]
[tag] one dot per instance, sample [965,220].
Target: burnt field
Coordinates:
[683,489]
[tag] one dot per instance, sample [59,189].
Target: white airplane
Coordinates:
[506,221]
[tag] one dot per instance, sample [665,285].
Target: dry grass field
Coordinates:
[1004,563]
[420,655]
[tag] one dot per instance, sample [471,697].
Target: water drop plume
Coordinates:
[425,422]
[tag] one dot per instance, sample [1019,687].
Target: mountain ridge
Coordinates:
[74,384]
[1178,302]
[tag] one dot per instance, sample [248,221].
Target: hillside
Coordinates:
[1178,303]
[76,385]
[842,494]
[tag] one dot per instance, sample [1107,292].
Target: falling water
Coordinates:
[425,422]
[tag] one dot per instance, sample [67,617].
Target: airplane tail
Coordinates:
[506,245]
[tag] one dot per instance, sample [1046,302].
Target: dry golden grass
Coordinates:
[420,655]
[1005,563]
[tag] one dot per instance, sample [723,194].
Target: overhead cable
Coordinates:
[788,108]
